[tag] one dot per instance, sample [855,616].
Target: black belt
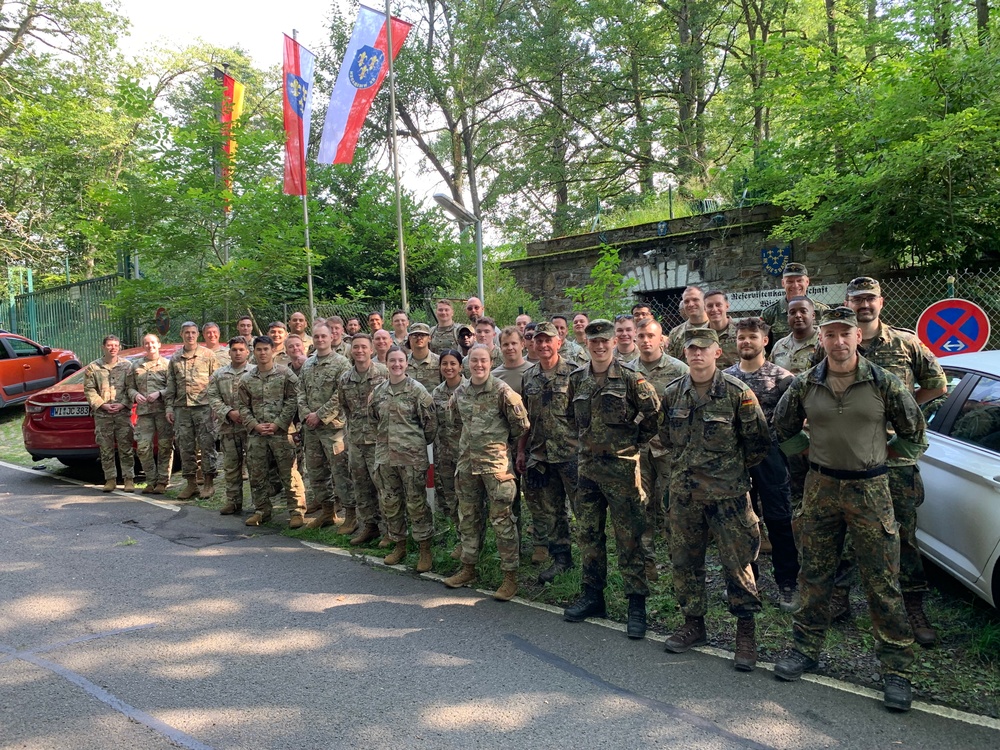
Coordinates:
[842,474]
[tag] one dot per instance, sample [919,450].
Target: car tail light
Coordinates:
[33,408]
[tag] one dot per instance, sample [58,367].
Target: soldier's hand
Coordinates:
[234,417]
[521,463]
[312,420]
[154,396]
[140,398]
[261,429]
[170,417]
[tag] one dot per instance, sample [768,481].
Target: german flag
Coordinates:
[229,112]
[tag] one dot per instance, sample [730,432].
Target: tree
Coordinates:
[608,293]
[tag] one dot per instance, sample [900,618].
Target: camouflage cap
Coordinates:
[864,285]
[600,329]
[416,328]
[700,337]
[840,314]
[794,269]
[546,329]
[465,327]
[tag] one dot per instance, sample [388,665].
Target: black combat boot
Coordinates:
[561,562]
[636,627]
[590,604]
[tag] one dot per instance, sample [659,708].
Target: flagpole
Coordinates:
[305,215]
[395,162]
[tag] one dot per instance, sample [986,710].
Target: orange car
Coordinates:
[27,367]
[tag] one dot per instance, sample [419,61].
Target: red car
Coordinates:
[57,421]
[27,368]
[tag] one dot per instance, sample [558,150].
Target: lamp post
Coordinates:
[671,181]
[466,218]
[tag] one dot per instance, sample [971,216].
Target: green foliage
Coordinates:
[608,293]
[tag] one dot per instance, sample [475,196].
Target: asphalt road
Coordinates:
[127,625]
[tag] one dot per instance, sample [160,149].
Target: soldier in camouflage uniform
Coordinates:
[849,403]
[338,342]
[692,309]
[795,282]
[569,350]
[361,507]
[491,416]
[446,440]
[268,402]
[223,399]
[147,384]
[547,454]
[900,352]
[322,425]
[625,349]
[443,335]
[660,370]
[244,328]
[400,329]
[615,411]
[297,327]
[717,310]
[406,423]
[423,363]
[105,385]
[187,410]
[211,334]
[714,431]
[796,351]
[486,331]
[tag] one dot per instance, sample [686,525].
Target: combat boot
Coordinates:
[396,556]
[149,489]
[897,693]
[231,508]
[466,574]
[508,589]
[207,489]
[687,636]
[257,519]
[590,604]
[296,521]
[350,524]
[923,631]
[792,666]
[160,488]
[190,489]
[385,542]
[109,486]
[636,627]
[364,535]
[561,562]
[540,555]
[128,485]
[313,507]
[746,644]
[424,561]
[327,517]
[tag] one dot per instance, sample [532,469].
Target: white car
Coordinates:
[958,526]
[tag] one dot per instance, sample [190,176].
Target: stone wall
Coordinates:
[717,250]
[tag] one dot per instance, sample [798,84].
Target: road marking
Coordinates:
[175,736]
[845,687]
[78,483]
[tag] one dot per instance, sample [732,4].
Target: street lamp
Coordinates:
[672,183]
[466,218]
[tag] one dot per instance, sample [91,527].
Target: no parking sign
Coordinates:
[954,326]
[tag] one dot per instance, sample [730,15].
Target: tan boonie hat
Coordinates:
[840,314]
[546,329]
[599,329]
[864,285]
[700,337]
[794,269]
[465,327]
[418,328]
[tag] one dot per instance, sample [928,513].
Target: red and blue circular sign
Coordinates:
[954,326]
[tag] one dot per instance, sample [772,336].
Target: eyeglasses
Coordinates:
[620,318]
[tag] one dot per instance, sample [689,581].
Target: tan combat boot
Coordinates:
[257,519]
[109,486]
[364,535]
[207,489]
[508,588]
[396,556]
[190,489]
[424,562]
[129,485]
[466,574]
[540,555]
[327,517]
[350,524]
[296,521]
[149,489]
[160,488]
[230,508]
[385,542]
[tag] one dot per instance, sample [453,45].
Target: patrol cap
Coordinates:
[599,329]
[700,337]
[465,327]
[418,328]
[864,285]
[840,314]
[794,269]
[545,328]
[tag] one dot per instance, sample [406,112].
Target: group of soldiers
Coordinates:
[691,434]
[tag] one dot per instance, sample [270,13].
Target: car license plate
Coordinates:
[70,411]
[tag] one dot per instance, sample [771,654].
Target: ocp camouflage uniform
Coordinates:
[776,316]
[676,337]
[151,425]
[327,470]
[427,372]
[654,464]
[187,383]
[406,424]
[103,384]
[573,353]
[221,355]
[354,392]
[795,356]
[490,415]
[270,397]
[629,359]
[613,419]
[712,441]
[847,490]
[552,463]
[445,453]
[443,337]
[223,397]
